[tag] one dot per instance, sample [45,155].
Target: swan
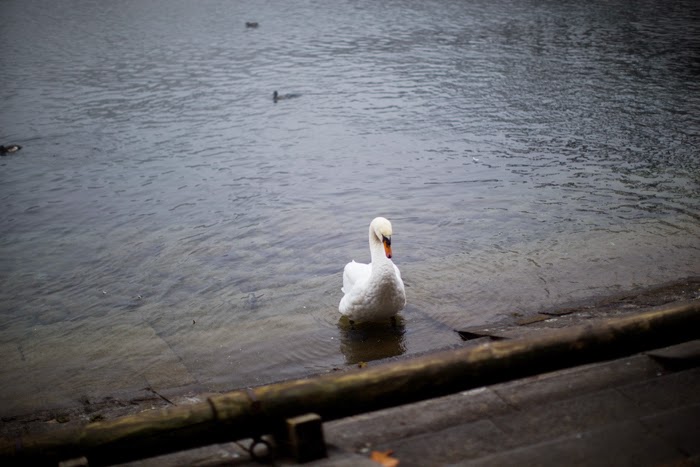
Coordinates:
[373,291]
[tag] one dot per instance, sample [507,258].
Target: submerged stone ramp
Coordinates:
[560,394]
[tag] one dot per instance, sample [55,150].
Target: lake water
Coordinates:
[167,225]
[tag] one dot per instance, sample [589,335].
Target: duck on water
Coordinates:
[278,97]
[9,149]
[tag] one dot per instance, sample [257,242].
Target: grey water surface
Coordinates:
[166,224]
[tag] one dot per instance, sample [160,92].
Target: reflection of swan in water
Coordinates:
[364,342]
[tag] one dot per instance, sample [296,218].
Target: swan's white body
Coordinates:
[373,291]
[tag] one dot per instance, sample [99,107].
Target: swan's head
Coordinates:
[381,228]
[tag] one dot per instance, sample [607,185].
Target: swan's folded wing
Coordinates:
[398,273]
[354,273]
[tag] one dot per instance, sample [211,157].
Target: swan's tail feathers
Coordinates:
[354,273]
[347,284]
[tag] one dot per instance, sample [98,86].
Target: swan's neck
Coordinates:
[376,249]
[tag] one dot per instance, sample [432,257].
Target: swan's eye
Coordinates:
[386,240]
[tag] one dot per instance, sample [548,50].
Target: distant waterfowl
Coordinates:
[373,291]
[278,97]
[251,24]
[10,149]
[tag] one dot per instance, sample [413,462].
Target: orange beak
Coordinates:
[387,246]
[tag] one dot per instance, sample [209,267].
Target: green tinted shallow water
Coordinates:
[167,225]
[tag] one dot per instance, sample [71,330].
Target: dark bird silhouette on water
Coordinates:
[278,97]
[9,149]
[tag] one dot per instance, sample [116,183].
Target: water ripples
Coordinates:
[527,155]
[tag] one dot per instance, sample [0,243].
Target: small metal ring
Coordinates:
[267,458]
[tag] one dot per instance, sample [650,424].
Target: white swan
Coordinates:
[373,291]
